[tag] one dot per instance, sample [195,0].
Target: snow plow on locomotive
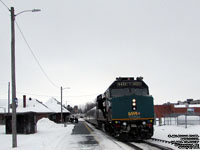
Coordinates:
[125,110]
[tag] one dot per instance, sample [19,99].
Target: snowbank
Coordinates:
[48,137]
[46,124]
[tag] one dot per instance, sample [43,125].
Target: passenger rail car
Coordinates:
[125,110]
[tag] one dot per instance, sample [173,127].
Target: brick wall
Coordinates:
[164,110]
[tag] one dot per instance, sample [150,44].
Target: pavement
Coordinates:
[82,129]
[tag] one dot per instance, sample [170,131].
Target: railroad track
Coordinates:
[134,146]
[144,145]
[160,140]
[141,145]
[158,146]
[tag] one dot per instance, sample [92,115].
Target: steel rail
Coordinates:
[157,145]
[134,146]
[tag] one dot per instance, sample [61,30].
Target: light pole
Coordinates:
[61,89]
[13,85]
[187,105]
[8,97]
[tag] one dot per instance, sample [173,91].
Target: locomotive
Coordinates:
[125,110]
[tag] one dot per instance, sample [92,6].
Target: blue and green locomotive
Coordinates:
[125,110]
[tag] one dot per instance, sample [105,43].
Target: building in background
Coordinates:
[171,111]
[55,105]
[43,110]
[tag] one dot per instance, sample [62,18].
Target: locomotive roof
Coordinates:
[135,82]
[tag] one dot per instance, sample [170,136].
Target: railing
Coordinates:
[180,119]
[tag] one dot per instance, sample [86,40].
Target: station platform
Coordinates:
[82,129]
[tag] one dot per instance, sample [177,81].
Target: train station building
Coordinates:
[51,109]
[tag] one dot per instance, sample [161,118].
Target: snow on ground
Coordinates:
[51,136]
[164,132]
[174,133]
[47,138]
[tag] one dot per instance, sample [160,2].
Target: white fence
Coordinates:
[179,120]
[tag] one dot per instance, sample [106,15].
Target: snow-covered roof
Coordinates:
[189,106]
[55,105]
[33,105]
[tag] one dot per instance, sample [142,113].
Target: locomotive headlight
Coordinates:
[133,104]
[124,123]
[143,122]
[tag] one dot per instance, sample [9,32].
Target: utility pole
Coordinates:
[8,97]
[187,105]
[61,90]
[14,124]
[13,85]
[61,106]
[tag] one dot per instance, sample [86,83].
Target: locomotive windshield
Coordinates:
[129,88]
[129,91]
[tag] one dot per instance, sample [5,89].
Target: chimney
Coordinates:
[24,101]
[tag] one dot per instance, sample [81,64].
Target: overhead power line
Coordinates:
[41,68]
[57,95]
[82,95]
[5,5]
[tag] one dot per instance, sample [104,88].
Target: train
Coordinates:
[125,110]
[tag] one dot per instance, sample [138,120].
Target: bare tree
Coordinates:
[89,106]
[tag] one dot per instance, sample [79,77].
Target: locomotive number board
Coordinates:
[129,84]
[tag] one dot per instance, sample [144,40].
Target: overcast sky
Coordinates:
[86,44]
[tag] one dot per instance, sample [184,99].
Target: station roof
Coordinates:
[34,105]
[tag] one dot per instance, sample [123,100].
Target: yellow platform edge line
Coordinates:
[91,132]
